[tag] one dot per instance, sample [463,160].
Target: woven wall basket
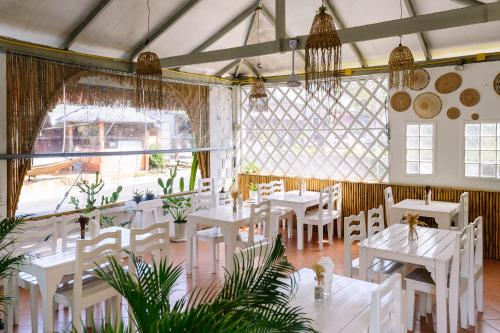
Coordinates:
[420,79]
[496,84]
[427,105]
[400,101]
[469,97]
[448,83]
[453,113]
[474,116]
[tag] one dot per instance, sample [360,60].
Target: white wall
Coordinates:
[3,135]
[449,133]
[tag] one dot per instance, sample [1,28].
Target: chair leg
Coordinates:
[339,227]
[34,308]
[309,232]
[107,311]
[330,232]
[428,304]
[453,311]
[320,236]
[217,251]
[117,307]
[89,316]
[16,301]
[410,304]
[76,312]
[463,311]
[422,304]
[213,248]
[283,224]
[289,227]
[479,293]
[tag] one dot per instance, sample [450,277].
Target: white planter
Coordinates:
[179,232]
[253,195]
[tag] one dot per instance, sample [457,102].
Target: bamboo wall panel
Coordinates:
[364,196]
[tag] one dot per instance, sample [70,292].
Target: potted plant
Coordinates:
[149,195]
[178,208]
[137,197]
[83,220]
[252,191]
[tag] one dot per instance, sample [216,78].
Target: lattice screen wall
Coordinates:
[293,139]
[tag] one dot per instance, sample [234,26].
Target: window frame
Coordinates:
[434,147]
[495,178]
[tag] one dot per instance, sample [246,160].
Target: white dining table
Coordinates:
[299,204]
[442,212]
[229,223]
[346,310]
[49,267]
[432,249]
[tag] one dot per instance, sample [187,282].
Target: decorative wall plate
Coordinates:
[496,84]
[453,113]
[448,83]
[469,97]
[420,79]
[427,105]
[474,116]
[400,101]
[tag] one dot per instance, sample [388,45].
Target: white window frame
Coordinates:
[463,162]
[434,148]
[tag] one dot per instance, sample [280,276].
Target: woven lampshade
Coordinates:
[400,68]
[323,56]
[148,63]
[258,95]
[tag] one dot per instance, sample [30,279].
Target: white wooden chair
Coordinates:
[206,192]
[264,190]
[84,294]
[70,228]
[259,213]
[355,231]
[151,241]
[337,207]
[148,212]
[420,280]
[39,236]
[463,212]
[322,217]
[386,308]
[375,220]
[389,202]
[258,253]
[476,270]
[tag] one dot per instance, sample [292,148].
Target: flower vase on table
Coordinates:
[428,195]
[83,221]
[320,281]
[413,222]
[302,186]
[234,197]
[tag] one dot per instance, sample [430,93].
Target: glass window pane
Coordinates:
[472,156]
[488,170]
[412,142]
[472,142]
[472,129]
[412,155]
[426,142]
[488,129]
[426,130]
[488,142]
[412,167]
[426,155]
[425,168]
[412,130]
[488,157]
[472,170]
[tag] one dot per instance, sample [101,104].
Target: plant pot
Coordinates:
[253,196]
[180,231]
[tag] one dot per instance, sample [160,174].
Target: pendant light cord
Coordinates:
[401,17]
[149,16]
[258,35]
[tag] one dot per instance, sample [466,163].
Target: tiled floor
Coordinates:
[488,322]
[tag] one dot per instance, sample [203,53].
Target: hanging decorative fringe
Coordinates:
[323,57]
[400,68]
[258,95]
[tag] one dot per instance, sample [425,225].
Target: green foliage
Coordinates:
[254,298]
[194,170]
[181,184]
[157,161]
[178,207]
[251,168]
[8,261]
[168,185]
[252,186]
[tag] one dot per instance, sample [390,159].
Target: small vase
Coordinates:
[253,196]
[235,207]
[82,234]
[319,291]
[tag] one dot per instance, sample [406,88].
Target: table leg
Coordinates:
[443,221]
[230,244]
[48,285]
[300,212]
[441,289]
[8,314]
[363,263]
[190,229]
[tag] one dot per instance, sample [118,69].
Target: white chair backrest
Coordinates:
[264,190]
[70,228]
[375,220]
[205,185]
[354,230]
[150,212]
[258,253]
[460,260]
[260,212]
[325,199]
[389,202]
[207,194]
[277,186]
[37,236]
[463,211]
[476,245]
[386,314]
[93,252]
[337,198]
[150,241]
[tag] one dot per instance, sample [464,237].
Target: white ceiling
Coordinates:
[121,26]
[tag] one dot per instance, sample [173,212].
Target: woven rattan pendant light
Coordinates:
[258,94]
[323,56]
[148,63]
[400,64]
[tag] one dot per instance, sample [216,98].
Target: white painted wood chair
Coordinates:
[152,241]
[337,207]
[386,308]
[355,231]
[84,294]
[260,213]
[33,236]
[148,212]
[322,216]
[206,192]
[463,212]
[476,270]
[375,220]
[258,253]
[420,280]
[264,190]
[389,202]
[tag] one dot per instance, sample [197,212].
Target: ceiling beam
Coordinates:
[340,25]
[468,2]
[247,38]
[424,44]
[165,26]
[228,67]
[85,23]
[434,21]
[251,67]
[280,22]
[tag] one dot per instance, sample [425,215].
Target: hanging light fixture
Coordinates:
[148,63]
[258,94]
[400,63]
[293,81]
[323,56]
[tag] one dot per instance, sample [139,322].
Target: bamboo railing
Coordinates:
[357,196]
